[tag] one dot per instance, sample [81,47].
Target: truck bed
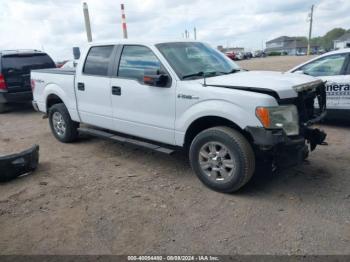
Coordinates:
[61,71]
[51,84]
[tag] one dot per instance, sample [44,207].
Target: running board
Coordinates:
[104,134]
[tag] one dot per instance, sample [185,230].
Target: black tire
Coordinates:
[240,153]
[3,108]
[70,133]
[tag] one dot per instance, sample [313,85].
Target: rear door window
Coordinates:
[97,61]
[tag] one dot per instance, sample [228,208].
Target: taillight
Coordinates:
[2,83]
[32,84]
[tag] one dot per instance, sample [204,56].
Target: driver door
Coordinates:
[139,109]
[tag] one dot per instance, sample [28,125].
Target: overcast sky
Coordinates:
[57,25]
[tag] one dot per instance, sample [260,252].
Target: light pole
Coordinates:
[310,30]
[125,30]
[87,22]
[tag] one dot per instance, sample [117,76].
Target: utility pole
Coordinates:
[125,31]
[195,33]
[87,22]
[310,30]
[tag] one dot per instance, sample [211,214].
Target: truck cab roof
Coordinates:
[140,42]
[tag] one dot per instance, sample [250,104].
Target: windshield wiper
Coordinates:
[201,73]
[208,74]
[235,70]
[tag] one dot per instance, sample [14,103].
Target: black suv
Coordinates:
[15,66]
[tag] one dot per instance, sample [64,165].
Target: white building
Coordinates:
[342,42]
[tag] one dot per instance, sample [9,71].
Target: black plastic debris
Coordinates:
[15,165]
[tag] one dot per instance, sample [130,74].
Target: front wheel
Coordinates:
[62,126]
[222,158]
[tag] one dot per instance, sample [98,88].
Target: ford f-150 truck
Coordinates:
[172,95]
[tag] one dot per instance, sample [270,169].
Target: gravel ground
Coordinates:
[274,63]
[99,197]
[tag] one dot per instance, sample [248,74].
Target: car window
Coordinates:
[98,60]
[192,57]
[23,63]
[326,66]
[136,60]
[348,70]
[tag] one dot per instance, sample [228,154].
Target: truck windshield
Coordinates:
[192,60]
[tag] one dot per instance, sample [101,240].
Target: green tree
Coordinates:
[326,41]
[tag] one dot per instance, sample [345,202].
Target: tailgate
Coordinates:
[16,69]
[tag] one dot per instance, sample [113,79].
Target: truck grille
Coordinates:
[311,103]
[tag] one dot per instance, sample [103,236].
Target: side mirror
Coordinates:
[299,72]
[156,79]
[76,53]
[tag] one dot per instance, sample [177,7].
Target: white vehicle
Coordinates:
[240,55]
[171,95]
[334,68]
[69,65]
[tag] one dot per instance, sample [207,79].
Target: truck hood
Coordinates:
[279,82]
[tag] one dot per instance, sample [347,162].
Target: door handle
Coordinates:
[116,90]
[81,86]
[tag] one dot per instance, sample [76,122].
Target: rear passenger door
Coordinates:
[93,87]
[334,69]
[138,109]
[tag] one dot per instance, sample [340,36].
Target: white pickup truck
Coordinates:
[185,95]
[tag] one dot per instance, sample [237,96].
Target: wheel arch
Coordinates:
[54,94]
[52,99]
[209,121]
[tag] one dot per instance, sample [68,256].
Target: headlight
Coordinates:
[279,117]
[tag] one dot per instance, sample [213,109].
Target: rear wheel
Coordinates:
[62,126]
[222,158]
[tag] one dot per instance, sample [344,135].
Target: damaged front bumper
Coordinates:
[12,166]
[282,150]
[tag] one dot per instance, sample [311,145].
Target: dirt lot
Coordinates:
[276,63]
[98,197]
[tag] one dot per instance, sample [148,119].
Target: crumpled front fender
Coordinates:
[12,166]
